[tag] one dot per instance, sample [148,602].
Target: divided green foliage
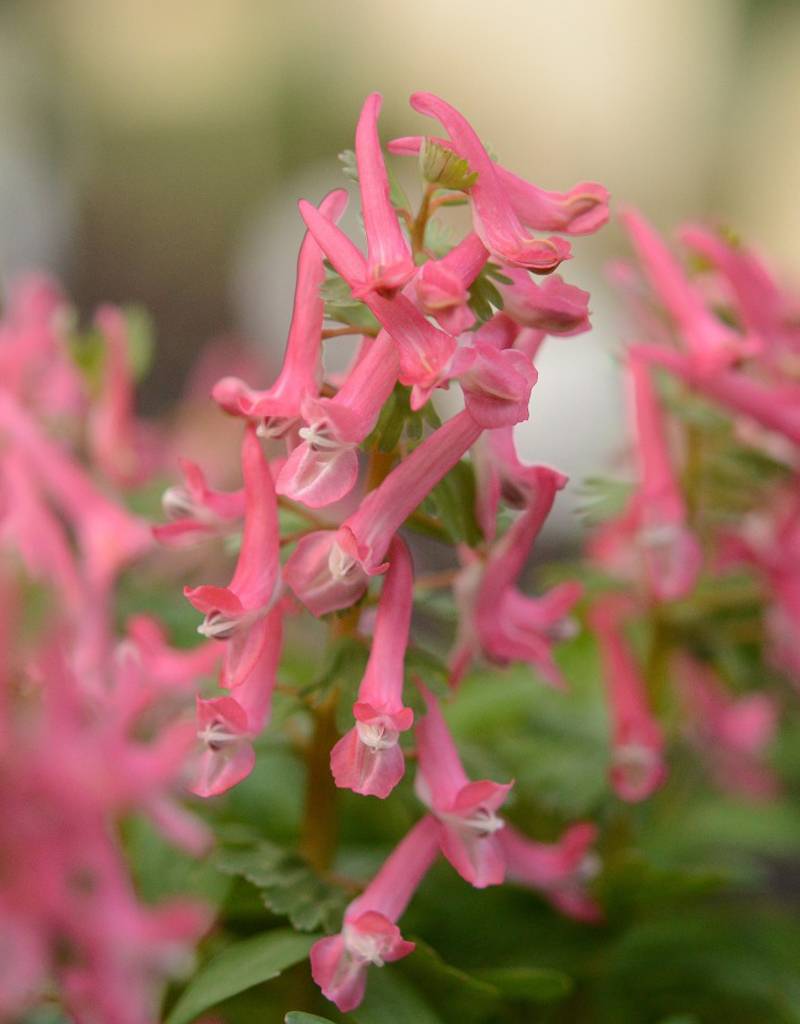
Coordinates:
[287,884]
[452,502]
[398,422]
[484,297]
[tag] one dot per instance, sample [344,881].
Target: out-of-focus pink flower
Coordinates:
[711,345]
[330,569]
[109,536]
[368,759]
[442,286]
[197,511]
[466,811]
[118,442]
[164,664]
[731,732]
[323,468]
[389,262]
[637,767]
[277,408]
[500,476]
[775,406]
[237,614]
[494,218]
[370,935]
[651,539]
[559,870]
[553,306]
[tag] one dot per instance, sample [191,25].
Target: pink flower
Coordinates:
[330,569]
[500,477]
[442,286]
[731,732]
[553,306]
[670,551]
[494,218]
[163,663]
[637,767]
[370,936]
[774,406]
[495,618]
[323,468]
[580,211]
[711,345]
[279,406]
[558,870]
[197,511]
[466,811]
[109,537]
[496,383]
[118,443]
[389,262]
[237,614]
[368,759]
[424,351]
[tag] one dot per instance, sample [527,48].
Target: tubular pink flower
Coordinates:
[581,210]
[163,663]
[776,407]
[196,510]
[370,935]
[638,767]
[711,345]
[108,535]
[36,533]
[671,553]
[558,870]
[330,569]
[497,383]
[500,476]
[115,437]
[495,618]
[759,300]
[442,286]
[236,614]
[389,262]
[324,467]
[425,352]
[279,406]
[732,732]
[553,306]
[465,810]
[226,726]
[368,759]
[494,218]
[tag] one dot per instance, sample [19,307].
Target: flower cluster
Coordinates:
[91,721]
[712,379]
[414,301]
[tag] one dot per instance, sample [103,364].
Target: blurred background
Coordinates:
[152,151]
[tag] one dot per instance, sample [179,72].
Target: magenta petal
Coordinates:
[367,771]
[318,478]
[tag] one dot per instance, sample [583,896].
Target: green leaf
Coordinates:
[299,1017]
[141,340]
[452,500]
[441,166]
[287,884]
[390,999]
[527,984]
[484,298]
[342,307]
[238,967]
